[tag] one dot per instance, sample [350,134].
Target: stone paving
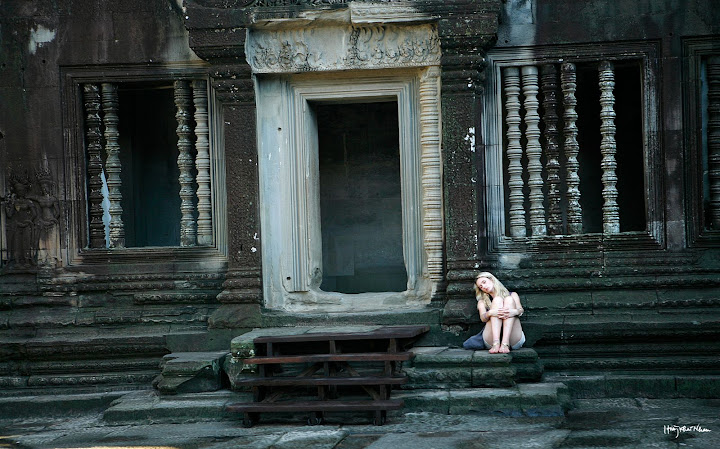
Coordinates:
[592,423]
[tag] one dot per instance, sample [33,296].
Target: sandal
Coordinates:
[495,347]
[504,348]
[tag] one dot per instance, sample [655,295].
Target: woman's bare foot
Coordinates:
[495,347]
[504,348]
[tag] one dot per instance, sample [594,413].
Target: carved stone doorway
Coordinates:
[292,114]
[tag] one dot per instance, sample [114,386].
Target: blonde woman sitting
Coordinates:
[502,309]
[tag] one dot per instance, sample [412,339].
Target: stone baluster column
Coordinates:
[511,83]
[713,140]
[112,163]
[568,85]
[549,79]
[202,162]
[185,164]
[611,211]
[93,137]
[533,150]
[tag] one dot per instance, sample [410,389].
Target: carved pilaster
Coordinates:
[533,150]
[234,88]
[93,140]
[568,81]
[431,173]
[112,163]
[511,84]
[713,140]
[549,77]
[611,211]
[185,164]
[202,163]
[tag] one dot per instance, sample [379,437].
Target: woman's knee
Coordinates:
[509,302]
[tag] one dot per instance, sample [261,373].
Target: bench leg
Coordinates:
[250,419]
[380,417]
[316,419]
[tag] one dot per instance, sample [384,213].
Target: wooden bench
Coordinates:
[328,362]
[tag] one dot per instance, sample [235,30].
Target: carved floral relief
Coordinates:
[343,48]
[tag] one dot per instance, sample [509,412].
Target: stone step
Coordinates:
[405,317]
[444,367]
[542,399]
[150,407]
[192,372]
[694,363]
[592,385]
[75,361]
[61,405]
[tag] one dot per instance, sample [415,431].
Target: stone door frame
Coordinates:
[290,209]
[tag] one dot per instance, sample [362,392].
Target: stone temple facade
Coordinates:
[174,173]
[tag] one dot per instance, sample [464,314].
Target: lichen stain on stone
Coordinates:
[39,36]
[470,137]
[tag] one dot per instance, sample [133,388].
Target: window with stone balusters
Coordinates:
[149,163]
[569,147]
[702,125]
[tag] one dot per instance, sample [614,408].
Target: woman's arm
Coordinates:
[484,315]
[518,306]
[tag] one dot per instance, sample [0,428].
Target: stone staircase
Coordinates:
[651,359]
[441,379]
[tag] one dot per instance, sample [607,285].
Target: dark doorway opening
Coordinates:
[360,201]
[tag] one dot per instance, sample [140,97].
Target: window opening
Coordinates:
[360,197]
[148,163]
[573,154]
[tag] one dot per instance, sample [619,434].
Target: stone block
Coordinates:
[447,357]
[648,386]
[319,439]
[503,376]
[698,386]
[431,401]
[431,378]
[485,400]
[191,372]
[235,316]
[483,358]
[528,372]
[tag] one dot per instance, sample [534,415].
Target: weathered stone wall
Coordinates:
[596,298]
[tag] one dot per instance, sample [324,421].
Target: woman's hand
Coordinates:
[503,313]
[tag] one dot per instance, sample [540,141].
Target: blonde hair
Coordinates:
[499,288]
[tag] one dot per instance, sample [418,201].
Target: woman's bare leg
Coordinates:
[512,330]
[495,325]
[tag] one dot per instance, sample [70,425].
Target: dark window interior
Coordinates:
[150,186]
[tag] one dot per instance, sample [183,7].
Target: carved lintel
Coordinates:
[334,48]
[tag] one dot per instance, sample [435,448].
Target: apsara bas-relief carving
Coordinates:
[342,48]
[32,211]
